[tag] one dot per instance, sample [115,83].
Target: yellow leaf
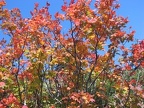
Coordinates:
[92,36]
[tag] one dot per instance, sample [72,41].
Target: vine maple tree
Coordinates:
[42,67]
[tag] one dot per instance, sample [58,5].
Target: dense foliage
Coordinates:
[42,66]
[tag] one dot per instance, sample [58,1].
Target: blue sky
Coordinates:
[129,8]
[133,9]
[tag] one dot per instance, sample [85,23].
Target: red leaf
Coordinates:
[2,84]
[24,106]
[64,8]
[36,5]
[133,81]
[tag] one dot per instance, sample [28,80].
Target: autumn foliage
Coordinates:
[85,66]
